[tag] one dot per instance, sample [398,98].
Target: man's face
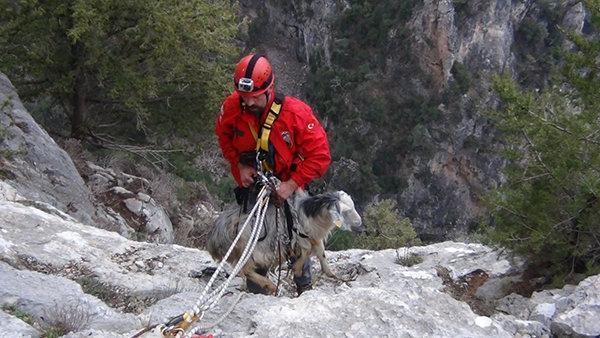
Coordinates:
[255,104]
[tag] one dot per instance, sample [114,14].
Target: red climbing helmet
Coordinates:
[253,76]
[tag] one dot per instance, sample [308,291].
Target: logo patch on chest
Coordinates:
[285,135]
[237,132]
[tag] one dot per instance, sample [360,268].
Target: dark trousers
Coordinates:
[301,281]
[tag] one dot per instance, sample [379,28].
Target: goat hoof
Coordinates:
[301,288]
[270,289]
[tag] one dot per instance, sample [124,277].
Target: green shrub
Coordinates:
[341,240]
[385,228]
[549,208]
[407,259]
[462,78]
[17,312]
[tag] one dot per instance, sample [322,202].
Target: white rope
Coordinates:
[205,302]
[254,236]
[220,319]
[217,294]
[261,194]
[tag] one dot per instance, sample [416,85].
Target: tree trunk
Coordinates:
[78,100]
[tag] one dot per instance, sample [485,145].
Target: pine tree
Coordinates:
[549,209]
[123,62]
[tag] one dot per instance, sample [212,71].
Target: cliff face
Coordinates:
[411,124]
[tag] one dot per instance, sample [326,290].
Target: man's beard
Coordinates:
[255,109]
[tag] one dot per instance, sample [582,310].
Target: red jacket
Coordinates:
[300,142]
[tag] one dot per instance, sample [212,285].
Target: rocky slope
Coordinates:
[47,177]
[57,272]
[61,275]
[413,127]
[35,164]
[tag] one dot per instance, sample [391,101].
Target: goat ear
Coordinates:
[337,219]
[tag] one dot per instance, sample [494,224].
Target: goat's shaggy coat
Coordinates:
[314,217]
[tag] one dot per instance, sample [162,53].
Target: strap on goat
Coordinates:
[290,222]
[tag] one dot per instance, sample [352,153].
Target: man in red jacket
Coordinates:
[290,139]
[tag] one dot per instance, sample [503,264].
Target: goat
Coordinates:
[314,217]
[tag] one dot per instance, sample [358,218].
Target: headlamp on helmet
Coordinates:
[245,85]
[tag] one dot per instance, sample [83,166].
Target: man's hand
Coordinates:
[286,189]
[247,174]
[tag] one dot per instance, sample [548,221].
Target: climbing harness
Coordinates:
[265,153]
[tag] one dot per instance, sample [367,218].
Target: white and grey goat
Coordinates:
[314,219]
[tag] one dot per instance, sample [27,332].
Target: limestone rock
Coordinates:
[574,19]
[55,300]
[11,326]
[522,328]
[158,225]
[515,305]
[583,319]
[134,209]
[35,240]
[570,311]
[34,164]
[59,259]
[134,205]
[8,193]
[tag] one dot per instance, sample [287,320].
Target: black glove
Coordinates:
[241,195]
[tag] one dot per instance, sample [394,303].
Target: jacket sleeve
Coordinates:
[313,148]
[224,132]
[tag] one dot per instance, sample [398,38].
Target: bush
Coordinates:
[549,207]
[385,228]
[71,316]
[341,240]
[19,313]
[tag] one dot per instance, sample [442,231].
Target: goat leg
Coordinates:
[298,265]
[319,249]
[259,279]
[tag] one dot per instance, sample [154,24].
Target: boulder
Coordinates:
[582,318]
[572,311]
[34,164]
[127,197]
